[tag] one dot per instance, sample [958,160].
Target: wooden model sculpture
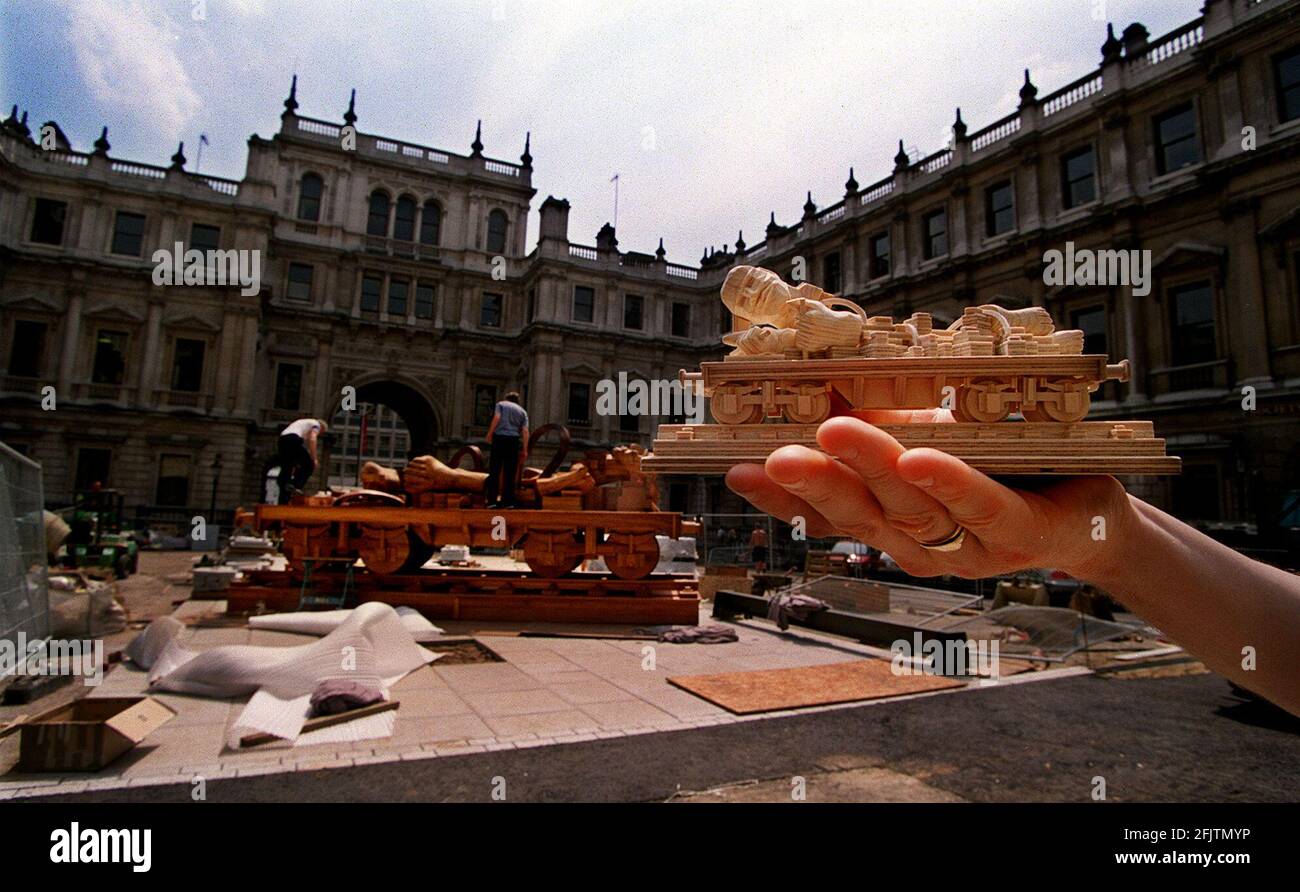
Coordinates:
[603,506]
[801,355]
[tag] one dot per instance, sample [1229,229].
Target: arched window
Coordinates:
[431,223]
[496,234]
[309,193]
[378,221]
[404,219]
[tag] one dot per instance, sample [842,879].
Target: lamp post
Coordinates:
[216,476]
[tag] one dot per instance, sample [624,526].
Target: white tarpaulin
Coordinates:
[371,645]
[322,622]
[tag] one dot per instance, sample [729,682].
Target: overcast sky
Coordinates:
[713,113]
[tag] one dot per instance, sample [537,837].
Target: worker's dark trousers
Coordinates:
[296,465]
[504,461]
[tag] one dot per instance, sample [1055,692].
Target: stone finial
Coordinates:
[704,258]
[102,144]
[350,116]
[291,103]
[851,185]
[959,127]
[740,241]
[178,160]
[1028,92]
[808,207]
[660,252]
[1135,38]
[773,228]
[22,125]
[901,161]
[605,239]
[527,156]
[1112,48]
[477,145]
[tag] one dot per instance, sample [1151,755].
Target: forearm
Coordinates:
[1210,599]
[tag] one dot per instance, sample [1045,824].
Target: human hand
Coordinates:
[895,499]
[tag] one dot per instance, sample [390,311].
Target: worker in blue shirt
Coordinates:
[508,437]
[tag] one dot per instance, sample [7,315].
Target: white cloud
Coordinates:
[128,57]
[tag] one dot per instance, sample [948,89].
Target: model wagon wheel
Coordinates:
[812,404]
[726,407]
[631,555]
[384,547]
[1055,412]
[552,553]
[967,407]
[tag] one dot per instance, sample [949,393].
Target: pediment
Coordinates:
[32,303]
[1188,252]
[113,311]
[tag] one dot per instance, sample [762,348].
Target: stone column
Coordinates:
[149,367]
[248,368]
[1243,280]
[226,361]
[1132,346]
[71,347]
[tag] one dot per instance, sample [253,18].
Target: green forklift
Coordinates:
[98,540]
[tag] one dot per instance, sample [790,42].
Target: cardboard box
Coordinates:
[88,734]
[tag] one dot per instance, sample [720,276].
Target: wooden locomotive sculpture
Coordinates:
[603,506]
[800,355]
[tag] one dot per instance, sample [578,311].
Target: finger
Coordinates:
[751,483]
[873,454]
[837,493]
[990,511]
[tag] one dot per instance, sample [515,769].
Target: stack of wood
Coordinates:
[975,336]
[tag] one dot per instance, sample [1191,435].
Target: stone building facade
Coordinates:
[401,270]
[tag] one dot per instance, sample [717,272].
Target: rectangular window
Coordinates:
[288,386]
[934,228]
[1192,324]
[633,311]
[27,351]
[1195,492]
[629,424]
[423,301]
[47,221]
[173,480]
[1092,322]
[110,358]
[831,272]
[485,404]
[879,255]
[1078,177]
[370,288]
[1287,68]
[532,304]
[205,238]
[1175,132]
[299,281]
[92,468]
[579,404]
[490,311]
[397,291]
[584,303]
[999,209]
[681,320]
[187,365]
[128,234]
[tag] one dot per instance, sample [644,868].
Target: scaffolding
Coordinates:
[24,593]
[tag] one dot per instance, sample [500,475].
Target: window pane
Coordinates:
[309,192]
[936,234]
[397,289]
[1288,85]
[404,219]
[205,238]
[1193,338]
[187,365]
[880,255]
[377,221]
[584,303]
[490,315]
[485,404]
[48,220]
[579,404]
[288,386]
[370,286]
[1078,172]
[999,212]
[681,320]
[1176,139]
[424,301]
[300,281]
[831,272]
[1092,322]
[128,234]
[28,349]
[632,311]
[110,358]
[496,237]
[430,223]
[92,468]
[173,480]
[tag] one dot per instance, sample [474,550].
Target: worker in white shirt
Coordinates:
[297,453]
[508,437]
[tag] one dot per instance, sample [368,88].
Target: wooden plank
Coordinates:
[767,690]
[324,721]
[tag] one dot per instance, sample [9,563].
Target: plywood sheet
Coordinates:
[767,690]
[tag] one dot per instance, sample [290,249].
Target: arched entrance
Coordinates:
[391,423]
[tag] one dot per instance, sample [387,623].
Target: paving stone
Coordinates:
[430,702]
[502,703]
[485,678]
[410,732]
[597,691]
[543,724]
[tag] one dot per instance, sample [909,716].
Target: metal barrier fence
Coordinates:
[24,592]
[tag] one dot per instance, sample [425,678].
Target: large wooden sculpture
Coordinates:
[800,355]
[602,506]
